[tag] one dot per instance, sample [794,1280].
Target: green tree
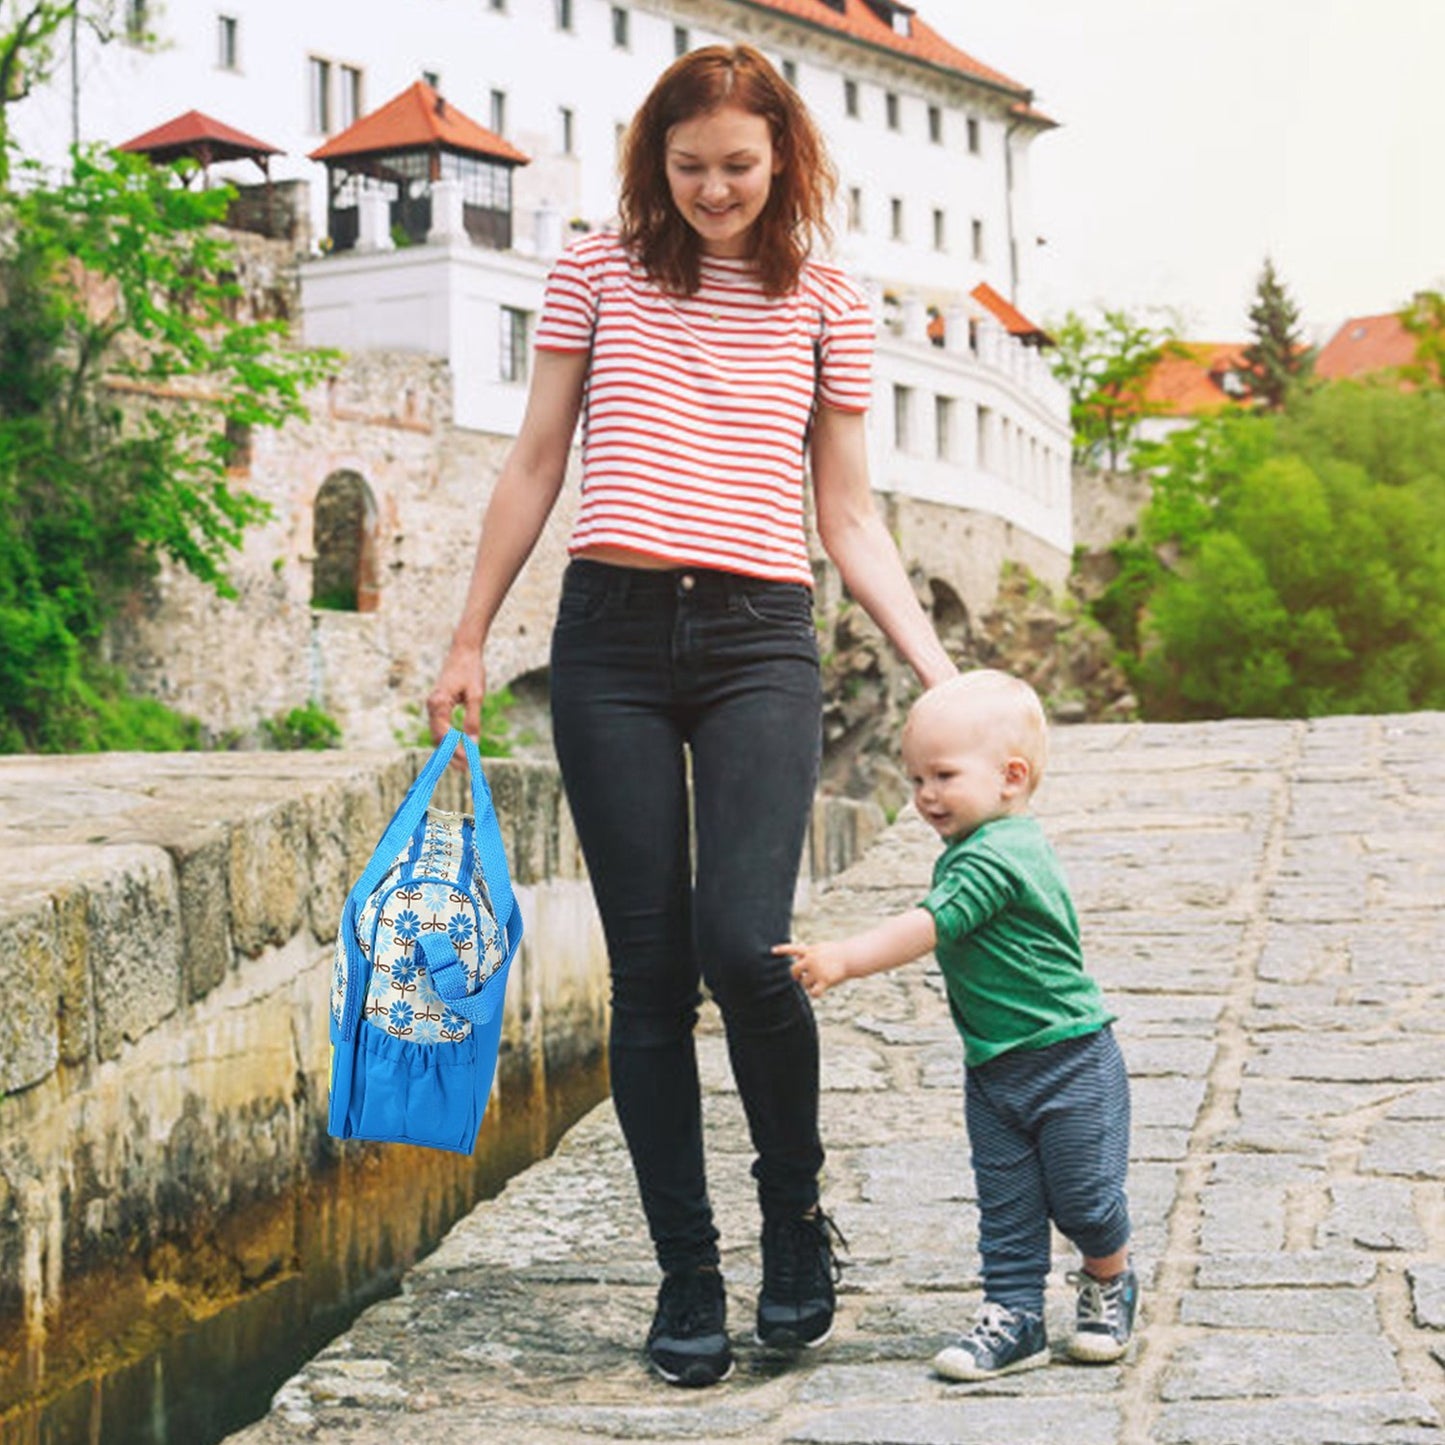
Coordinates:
[1292,564]
[1106,366]
[30,35]
[1424,319]
[124,378]
[1277,360]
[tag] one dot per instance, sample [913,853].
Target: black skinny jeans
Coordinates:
[648,667]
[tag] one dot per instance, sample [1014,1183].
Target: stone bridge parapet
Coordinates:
[165,943]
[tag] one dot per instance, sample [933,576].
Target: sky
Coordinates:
[1197,136]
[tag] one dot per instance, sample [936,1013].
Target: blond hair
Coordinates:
[1005,707]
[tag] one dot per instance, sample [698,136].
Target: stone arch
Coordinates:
[950,616]
[530,717]
[344,523]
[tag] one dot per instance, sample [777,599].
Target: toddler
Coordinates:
[1046,1092]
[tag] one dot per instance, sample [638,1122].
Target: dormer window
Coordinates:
[895,15]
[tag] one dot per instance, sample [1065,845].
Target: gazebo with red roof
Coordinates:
[414,140]
[207,141]
[204,140]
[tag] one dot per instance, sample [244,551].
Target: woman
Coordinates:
[712,352]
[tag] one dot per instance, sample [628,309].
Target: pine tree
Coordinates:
[1277,359]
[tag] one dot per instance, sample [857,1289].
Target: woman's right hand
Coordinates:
[521,502]
[462,683]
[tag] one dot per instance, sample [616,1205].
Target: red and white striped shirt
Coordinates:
[697,406]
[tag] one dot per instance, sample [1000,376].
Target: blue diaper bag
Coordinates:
[426,940]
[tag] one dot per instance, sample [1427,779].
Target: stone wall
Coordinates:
[1106,507]
[165,948]
[233,663]
[385,420]
[967,551]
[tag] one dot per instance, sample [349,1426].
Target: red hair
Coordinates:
[796,213]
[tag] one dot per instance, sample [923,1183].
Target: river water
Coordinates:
[192,1343]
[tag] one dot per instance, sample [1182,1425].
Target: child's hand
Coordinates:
[817,966]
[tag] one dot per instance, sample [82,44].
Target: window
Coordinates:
[238,445]
[940,230]
[943,429]
[890,106]
[496,4]
[497,110]
[137,20]
[855,208]
[895,218]
[973,135]
[850,98]
[564,115]
[903,418]
[513,355]
[935,125]
[681,40]
[351,106]
[318,73]
[790,72]
[983,452]
[227,36]
[563,12]
[977,242]
[620,27]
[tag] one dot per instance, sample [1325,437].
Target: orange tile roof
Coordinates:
[191,130]
[858,20]
[1026,110]
[1366,344]
[1189,379]
[1012,319]
[418,119]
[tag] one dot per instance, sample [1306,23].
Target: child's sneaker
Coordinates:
[1001,1342]
[688,1341]
[1105,1316]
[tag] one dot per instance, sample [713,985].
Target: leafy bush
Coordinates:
[496,739]
[122,372]
[302,728]
[1291,566]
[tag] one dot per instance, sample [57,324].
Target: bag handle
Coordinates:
[486,838]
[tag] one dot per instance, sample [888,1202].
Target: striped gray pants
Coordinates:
[1049,1133]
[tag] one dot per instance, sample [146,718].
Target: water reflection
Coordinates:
[185,1354]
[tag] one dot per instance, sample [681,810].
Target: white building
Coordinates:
[931,148]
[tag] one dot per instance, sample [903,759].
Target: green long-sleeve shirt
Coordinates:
[1008,942]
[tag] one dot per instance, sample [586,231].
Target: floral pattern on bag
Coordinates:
[423,892]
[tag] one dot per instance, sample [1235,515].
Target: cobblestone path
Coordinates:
[1262,902]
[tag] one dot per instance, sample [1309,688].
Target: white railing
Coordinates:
[981,425]
[977,423]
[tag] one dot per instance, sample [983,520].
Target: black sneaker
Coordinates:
[1104,1319]
[1001,1342]
[800,1274]
[688,1341]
